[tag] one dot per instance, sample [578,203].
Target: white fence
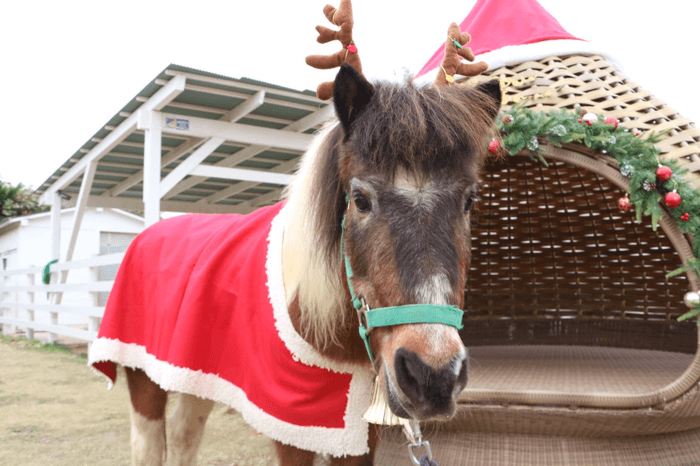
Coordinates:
[20,288]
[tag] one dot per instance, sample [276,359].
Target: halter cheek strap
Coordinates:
[395,315]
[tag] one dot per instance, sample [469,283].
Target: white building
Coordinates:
[27,242]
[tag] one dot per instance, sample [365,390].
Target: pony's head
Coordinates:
[407,160]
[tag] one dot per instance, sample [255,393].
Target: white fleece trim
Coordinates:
[331,441]
[515,54]
[352,440]
[362,382]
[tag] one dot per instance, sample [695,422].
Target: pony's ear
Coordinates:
[492,89]
[351,94]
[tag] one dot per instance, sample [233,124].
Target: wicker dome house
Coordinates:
[577,353]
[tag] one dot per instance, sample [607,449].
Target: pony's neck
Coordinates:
[318,300]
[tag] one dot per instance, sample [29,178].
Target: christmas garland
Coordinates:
[651,180]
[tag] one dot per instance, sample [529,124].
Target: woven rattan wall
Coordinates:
[594,83]
[555,261]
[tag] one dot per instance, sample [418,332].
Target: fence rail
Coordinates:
[20,288]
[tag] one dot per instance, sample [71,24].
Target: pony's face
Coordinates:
[409,164]
[408,241]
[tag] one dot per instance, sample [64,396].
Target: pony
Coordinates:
[389,183]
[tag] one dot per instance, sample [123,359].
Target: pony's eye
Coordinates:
[362,204]
[469,202]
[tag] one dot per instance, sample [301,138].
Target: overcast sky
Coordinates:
[69,66]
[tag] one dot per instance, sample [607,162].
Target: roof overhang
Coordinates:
[228,145]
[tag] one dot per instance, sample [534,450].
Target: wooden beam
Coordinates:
[210,171]
[134,203]
[186,126]
[249,152]
[217,196]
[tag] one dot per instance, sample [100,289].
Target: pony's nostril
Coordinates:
[411,375]
[430,391]
[461,381]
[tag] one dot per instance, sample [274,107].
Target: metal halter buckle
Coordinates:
[411,428]
[362,314]
[419,444]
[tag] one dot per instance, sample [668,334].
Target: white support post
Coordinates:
[55,250]
[94,322]
[30,312]
[56,226]
[151,123]
[81,204]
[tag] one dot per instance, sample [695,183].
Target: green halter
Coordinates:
[395,315]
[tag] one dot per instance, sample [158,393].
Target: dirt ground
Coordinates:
[55,411]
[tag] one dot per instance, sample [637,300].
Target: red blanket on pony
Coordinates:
[199,305]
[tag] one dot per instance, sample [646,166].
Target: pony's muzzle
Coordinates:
[431,392]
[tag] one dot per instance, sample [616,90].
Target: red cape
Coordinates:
[191,306]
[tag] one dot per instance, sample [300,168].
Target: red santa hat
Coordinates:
[513,31]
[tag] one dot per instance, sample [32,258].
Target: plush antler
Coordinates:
[451,65]
[341,17]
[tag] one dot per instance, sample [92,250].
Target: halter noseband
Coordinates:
[395,315]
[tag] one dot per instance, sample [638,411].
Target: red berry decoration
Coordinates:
[624,204]
[664,173]
[611,121]
[494,146]
[352,48]
[685,217]
[672,199]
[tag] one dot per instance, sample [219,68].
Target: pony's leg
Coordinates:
[365,460]
[188,429]
[293,456]
[147,419]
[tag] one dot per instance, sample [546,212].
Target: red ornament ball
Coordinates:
[664,173]
[672,200]
[624,204]
[352,48]
[494,146]
[612,121]
[685,217]
[580,120]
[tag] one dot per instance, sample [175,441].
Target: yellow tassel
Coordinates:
[379,411]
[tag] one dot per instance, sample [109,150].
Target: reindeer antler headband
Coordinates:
[341,17]
[455,47]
